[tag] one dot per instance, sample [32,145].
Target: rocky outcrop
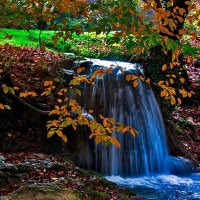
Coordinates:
[43,177]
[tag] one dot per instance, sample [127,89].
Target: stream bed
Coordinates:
[163,187]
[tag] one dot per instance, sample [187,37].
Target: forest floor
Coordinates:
[187,116]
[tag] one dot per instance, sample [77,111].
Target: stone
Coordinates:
[2,159]
[43,192]
[69,55]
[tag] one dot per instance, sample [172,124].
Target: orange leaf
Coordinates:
[182,80]
[164,67]
[47,83]
[135,83]
[128,77]
[1,106]
[179,101]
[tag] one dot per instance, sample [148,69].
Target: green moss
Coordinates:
[178,129]
[185,122]
[82,172]
[107,184]
[93,194]
[95,174]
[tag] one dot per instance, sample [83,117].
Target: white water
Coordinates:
[162,187]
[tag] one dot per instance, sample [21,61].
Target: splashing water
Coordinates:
[163,187]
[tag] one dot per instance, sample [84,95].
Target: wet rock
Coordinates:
[23,168]
[7,167]
[67,76]
[2,159]
[3,198]
[69,55]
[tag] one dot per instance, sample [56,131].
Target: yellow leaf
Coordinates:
[141,78]
[57,108]
[109,70]
[64,138]
[173,56]
[164,67]
[182,80]
[160,82]
[172,100]
[50,134]
[182,11]
[183,92]
[171,81]
[174,76]
[114,141]
[179,101]
[98,139]
[78,92]
[5,88]
[59,133]
[7,107]
[188,2]
[12,91]
[134,77]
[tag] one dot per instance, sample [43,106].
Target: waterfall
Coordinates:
[113,96]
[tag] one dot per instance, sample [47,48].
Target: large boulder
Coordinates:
[43,192]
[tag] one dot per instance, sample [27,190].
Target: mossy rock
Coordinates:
[93,173]
[7,178]
[43,192]
[108,184]
[82,172]
[128,194]
[93,194]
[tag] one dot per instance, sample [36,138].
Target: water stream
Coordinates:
[143,161]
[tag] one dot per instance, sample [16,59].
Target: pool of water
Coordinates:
[163,187]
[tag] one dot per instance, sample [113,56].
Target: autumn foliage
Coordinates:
[142,24]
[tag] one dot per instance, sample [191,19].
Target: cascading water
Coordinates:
[144,154]
[147,153]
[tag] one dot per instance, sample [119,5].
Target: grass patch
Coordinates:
[87,44]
